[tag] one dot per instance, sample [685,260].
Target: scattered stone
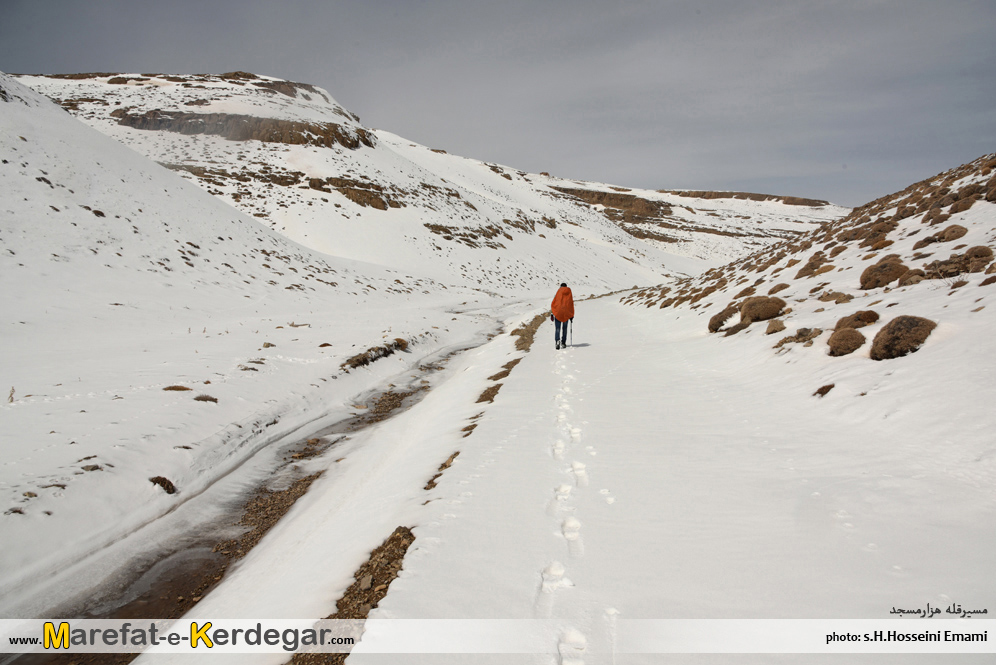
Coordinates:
[801,336]
[775,326]
[823,390]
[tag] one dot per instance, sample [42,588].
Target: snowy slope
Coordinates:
[121,279]
[658,471]
[290,155]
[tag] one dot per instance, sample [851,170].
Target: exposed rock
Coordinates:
[787,200]
[165,483]
[823,390]
[910,277]
[975,259]
[836,297]
[248,128]
[775,326]
[801,336]
[902,335]
[845,341]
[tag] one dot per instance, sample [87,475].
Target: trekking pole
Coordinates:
[571,329]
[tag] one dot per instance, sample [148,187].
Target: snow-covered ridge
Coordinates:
[289,155]
[924,251]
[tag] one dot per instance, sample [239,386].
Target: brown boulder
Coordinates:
[911,277]
[760,308]
[902,335]
[950,233]
[857,320]
[775,326]
[979,252]
[717,321]
[845,341]
[887,270]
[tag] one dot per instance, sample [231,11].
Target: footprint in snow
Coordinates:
[609,499]
[557,451]
[572,647]
[580,474]
[561,494]
[553,578]
[575,433]
[571,530]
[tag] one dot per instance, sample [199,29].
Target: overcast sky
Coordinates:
[839,100]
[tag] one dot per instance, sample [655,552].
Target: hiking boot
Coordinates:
[558,345]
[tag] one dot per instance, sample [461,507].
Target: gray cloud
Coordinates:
[829,99]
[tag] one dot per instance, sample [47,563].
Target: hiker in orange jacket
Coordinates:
[562,311]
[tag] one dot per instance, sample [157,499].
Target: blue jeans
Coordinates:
[560,331]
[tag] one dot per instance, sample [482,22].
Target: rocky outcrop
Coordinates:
[749,196]
[248,128]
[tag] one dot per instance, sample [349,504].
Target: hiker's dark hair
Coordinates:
[563,284]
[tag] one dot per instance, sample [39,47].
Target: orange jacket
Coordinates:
[563,304]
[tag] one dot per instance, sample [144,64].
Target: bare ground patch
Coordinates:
[373,579]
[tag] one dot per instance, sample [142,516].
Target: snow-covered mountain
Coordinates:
[705,449]
[291,156]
